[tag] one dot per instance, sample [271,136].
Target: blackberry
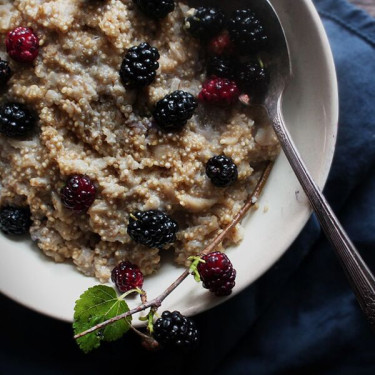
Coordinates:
[205,22]
[152,228]
[252,78]
[223,67]
[155,9]
[219,91]
[174,110]
[138,68]
[127,276]
[22,44]
[78,194]
[174,330]
[5,72]
[217,273]
[247,32]
[16,120]
[15,220]
[221,170]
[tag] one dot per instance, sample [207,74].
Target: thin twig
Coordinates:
[156,302]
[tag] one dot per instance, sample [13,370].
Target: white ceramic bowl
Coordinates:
[311,113]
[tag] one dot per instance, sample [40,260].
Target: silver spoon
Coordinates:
[360,277]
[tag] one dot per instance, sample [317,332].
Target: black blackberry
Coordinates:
[5,72]
[152,228]
[15,220]
[221,171]
[16,120]
[247,32]
[205,22]
[223,67]
[252,78]
[173,111]
[174,330]
[138,69]
[156,9]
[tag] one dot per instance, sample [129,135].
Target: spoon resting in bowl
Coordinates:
[360,277]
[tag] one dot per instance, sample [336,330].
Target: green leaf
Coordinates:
[94,306]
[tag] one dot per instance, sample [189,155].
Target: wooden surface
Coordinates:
[368,5]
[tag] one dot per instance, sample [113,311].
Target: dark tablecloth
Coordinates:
[301,316]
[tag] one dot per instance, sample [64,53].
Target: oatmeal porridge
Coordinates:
[90,123]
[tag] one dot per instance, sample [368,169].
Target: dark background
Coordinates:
[301,316]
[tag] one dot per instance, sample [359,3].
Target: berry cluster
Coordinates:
[232,68]
[232,41]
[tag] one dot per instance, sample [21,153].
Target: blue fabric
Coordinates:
[301,316]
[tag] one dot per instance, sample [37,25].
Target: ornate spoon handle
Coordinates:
[360,277]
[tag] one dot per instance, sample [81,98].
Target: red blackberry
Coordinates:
[174,110]
[219,91]
[174,330]
[247,32]
[127,276]
[152,228]
[221,66]
[5,73]
[16,120]
[205,22]
[22,44]
[221,44]
[221,170]
[217,273]
[252,78]
[156,9]
[78,194]
[15,220]
[138,69]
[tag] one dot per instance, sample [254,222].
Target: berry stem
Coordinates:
[136,290]
[156,302]
[133,217]
[193,267]
[142,335]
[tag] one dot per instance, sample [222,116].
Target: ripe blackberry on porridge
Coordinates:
[105,137]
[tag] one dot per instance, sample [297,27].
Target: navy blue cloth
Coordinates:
[301,316]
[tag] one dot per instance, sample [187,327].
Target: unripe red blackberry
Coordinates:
[22,44]
[127,276]
[217,273]
[219,91]
[78,194]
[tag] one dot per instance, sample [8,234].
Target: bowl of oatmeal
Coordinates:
[141,144]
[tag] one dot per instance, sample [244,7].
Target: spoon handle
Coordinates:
[360,277]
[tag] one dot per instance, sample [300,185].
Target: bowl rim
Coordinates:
[332,88]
